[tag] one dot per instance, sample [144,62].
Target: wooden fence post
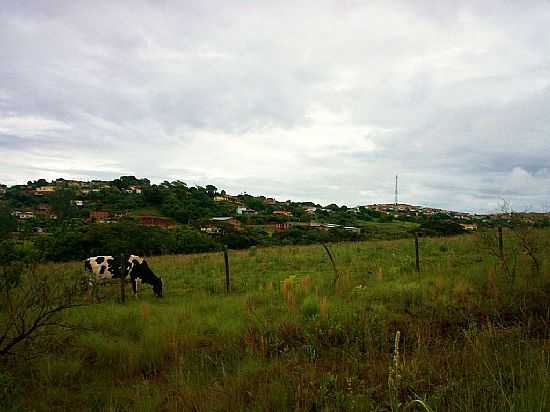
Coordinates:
[122,279]
[226,260]
[336,275]
[416,250]
[500,243]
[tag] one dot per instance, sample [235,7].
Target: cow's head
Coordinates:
[158,287]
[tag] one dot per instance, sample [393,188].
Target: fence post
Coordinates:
[500,243]
[226,260]
[336,275]
[122,279]
[416,250]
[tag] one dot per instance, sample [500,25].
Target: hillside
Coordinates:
[70,219]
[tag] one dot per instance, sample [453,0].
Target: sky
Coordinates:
[323,101]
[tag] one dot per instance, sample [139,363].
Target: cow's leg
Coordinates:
[134,286]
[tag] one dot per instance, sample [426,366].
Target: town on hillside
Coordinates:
[214,217]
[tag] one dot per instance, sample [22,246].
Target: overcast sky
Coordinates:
[317,100]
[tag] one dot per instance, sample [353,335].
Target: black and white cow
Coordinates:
[137,269]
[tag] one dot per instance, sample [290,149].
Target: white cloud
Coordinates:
[30,126]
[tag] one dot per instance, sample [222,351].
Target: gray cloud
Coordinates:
[322,101]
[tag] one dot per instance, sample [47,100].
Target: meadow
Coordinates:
[461,335]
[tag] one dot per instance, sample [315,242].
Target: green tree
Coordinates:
[8,223]
[211,190]
[60,201]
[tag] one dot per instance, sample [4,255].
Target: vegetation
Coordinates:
[460,336]
[63,220]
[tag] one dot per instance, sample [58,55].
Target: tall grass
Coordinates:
[286,339]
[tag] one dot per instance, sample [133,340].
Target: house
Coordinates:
[23,215]
[226,221]
[331,226]
[120,215]
[45,210]
[226,198]
[134,189]
[44,190]
[98,185]
[469,226]
[157,221]
[245,211]
[100,216]
[270,201]
[281,227]
[310,210]
[78,203]
[352,229]
[282,213]
[211,230]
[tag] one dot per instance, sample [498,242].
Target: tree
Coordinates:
[60,201]
[31,305]
[211,190]
[8,223]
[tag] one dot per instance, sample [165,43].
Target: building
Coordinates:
[134,189]
[310,210]
[45,210]
[282,213]
[23,215]
[226,221]
[44,190]
[471,227]
[352,229]
[245,211]
[211,229]
[100,216]
[281,227]
[226,198]
[157,221]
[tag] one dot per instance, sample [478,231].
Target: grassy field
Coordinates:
[460,336]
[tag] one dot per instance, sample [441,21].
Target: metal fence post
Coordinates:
[122,279]
[226,261]
[417,253]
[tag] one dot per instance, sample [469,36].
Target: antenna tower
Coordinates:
[396,193]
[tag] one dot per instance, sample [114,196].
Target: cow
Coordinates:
[137,269]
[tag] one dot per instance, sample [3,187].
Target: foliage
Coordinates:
[97,239]
[30,307]
[438,227]
[8,223]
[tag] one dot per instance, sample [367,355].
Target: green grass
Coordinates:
[288,339]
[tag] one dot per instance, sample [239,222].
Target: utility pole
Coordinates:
[396,193]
